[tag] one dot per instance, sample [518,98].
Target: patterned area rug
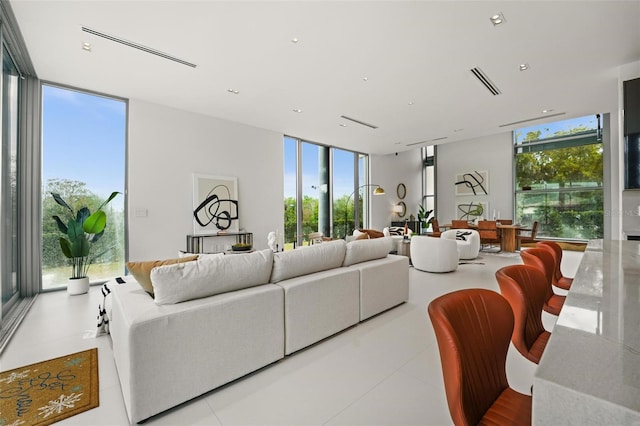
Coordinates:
[49,391]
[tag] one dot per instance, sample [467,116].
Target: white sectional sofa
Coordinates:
[212,322]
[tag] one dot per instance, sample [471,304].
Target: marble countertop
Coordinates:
[590,370]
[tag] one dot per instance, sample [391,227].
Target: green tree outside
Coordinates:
[54,264]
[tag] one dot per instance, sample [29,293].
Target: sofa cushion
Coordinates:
[211,275]
[142,270]
[307,260]
[363,250]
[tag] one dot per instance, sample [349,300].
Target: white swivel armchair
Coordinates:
[434,254]
[468,241]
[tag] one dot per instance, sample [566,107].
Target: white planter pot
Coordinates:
[77,286]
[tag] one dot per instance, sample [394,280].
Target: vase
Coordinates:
[77,286]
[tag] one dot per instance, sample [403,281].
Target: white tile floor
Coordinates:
[384,371]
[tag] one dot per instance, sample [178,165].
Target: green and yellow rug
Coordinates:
[49,391]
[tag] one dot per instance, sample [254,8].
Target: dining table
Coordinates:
[508,234]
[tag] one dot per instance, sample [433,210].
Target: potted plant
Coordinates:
[81,230]
[424,218]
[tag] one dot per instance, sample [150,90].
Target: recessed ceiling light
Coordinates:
[497,19]
[295,40]
[297,110]
[410,102]
[86,46]
[343,125]
[365,78]
[458,130]
[234,91]
[546,111]
[524,67]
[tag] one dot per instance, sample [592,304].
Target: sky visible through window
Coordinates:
[549,129]
[342,184]
[83,140]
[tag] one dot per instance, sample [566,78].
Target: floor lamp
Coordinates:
[378,191]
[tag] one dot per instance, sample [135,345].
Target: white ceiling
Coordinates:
[416,51]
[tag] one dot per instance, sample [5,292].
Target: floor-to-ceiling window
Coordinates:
[83,160]
[9,186]
[428,182]
[323,191]
[559,178]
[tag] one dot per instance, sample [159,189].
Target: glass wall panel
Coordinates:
[344,187]
[312,188]
[428,185]
[563,214]
[83,160]
[290,191]
[324,191]
[9,188]
[559,178]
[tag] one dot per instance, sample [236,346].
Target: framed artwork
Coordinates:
[215,204]
[472,183]
[470,210]
[401,190]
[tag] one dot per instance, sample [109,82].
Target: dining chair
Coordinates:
[524,287]
[488,230]
[555,249]
[543,260]
[527,235]
[473,328]
[315,238]
[459,224]
[505,221]
[436,232]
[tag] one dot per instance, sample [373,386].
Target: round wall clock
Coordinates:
[401,190]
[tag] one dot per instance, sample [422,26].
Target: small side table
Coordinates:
[404,248]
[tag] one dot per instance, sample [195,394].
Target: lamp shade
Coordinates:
[378,191]
[397,208]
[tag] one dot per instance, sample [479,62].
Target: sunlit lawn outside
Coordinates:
[54,278]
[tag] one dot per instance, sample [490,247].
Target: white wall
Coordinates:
[388,171]
[166,146]
[493,154]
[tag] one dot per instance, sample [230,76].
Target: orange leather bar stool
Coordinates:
[525,289]
[473,328]
[543,260]
[555,249]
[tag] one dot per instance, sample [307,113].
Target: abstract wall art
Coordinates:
[470,210]
[215,204]
[472,183]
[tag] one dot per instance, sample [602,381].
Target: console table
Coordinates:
[589,373]
[195,243]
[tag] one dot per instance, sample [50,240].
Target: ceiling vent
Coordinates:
[532,119]
[430,140]
[359,122]
[137,46]
[486,82]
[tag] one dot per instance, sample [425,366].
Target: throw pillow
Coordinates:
[462,235]
[142,270]
[373,233]
[362,236]
[396,230]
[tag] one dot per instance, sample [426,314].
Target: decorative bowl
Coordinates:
[241,247]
